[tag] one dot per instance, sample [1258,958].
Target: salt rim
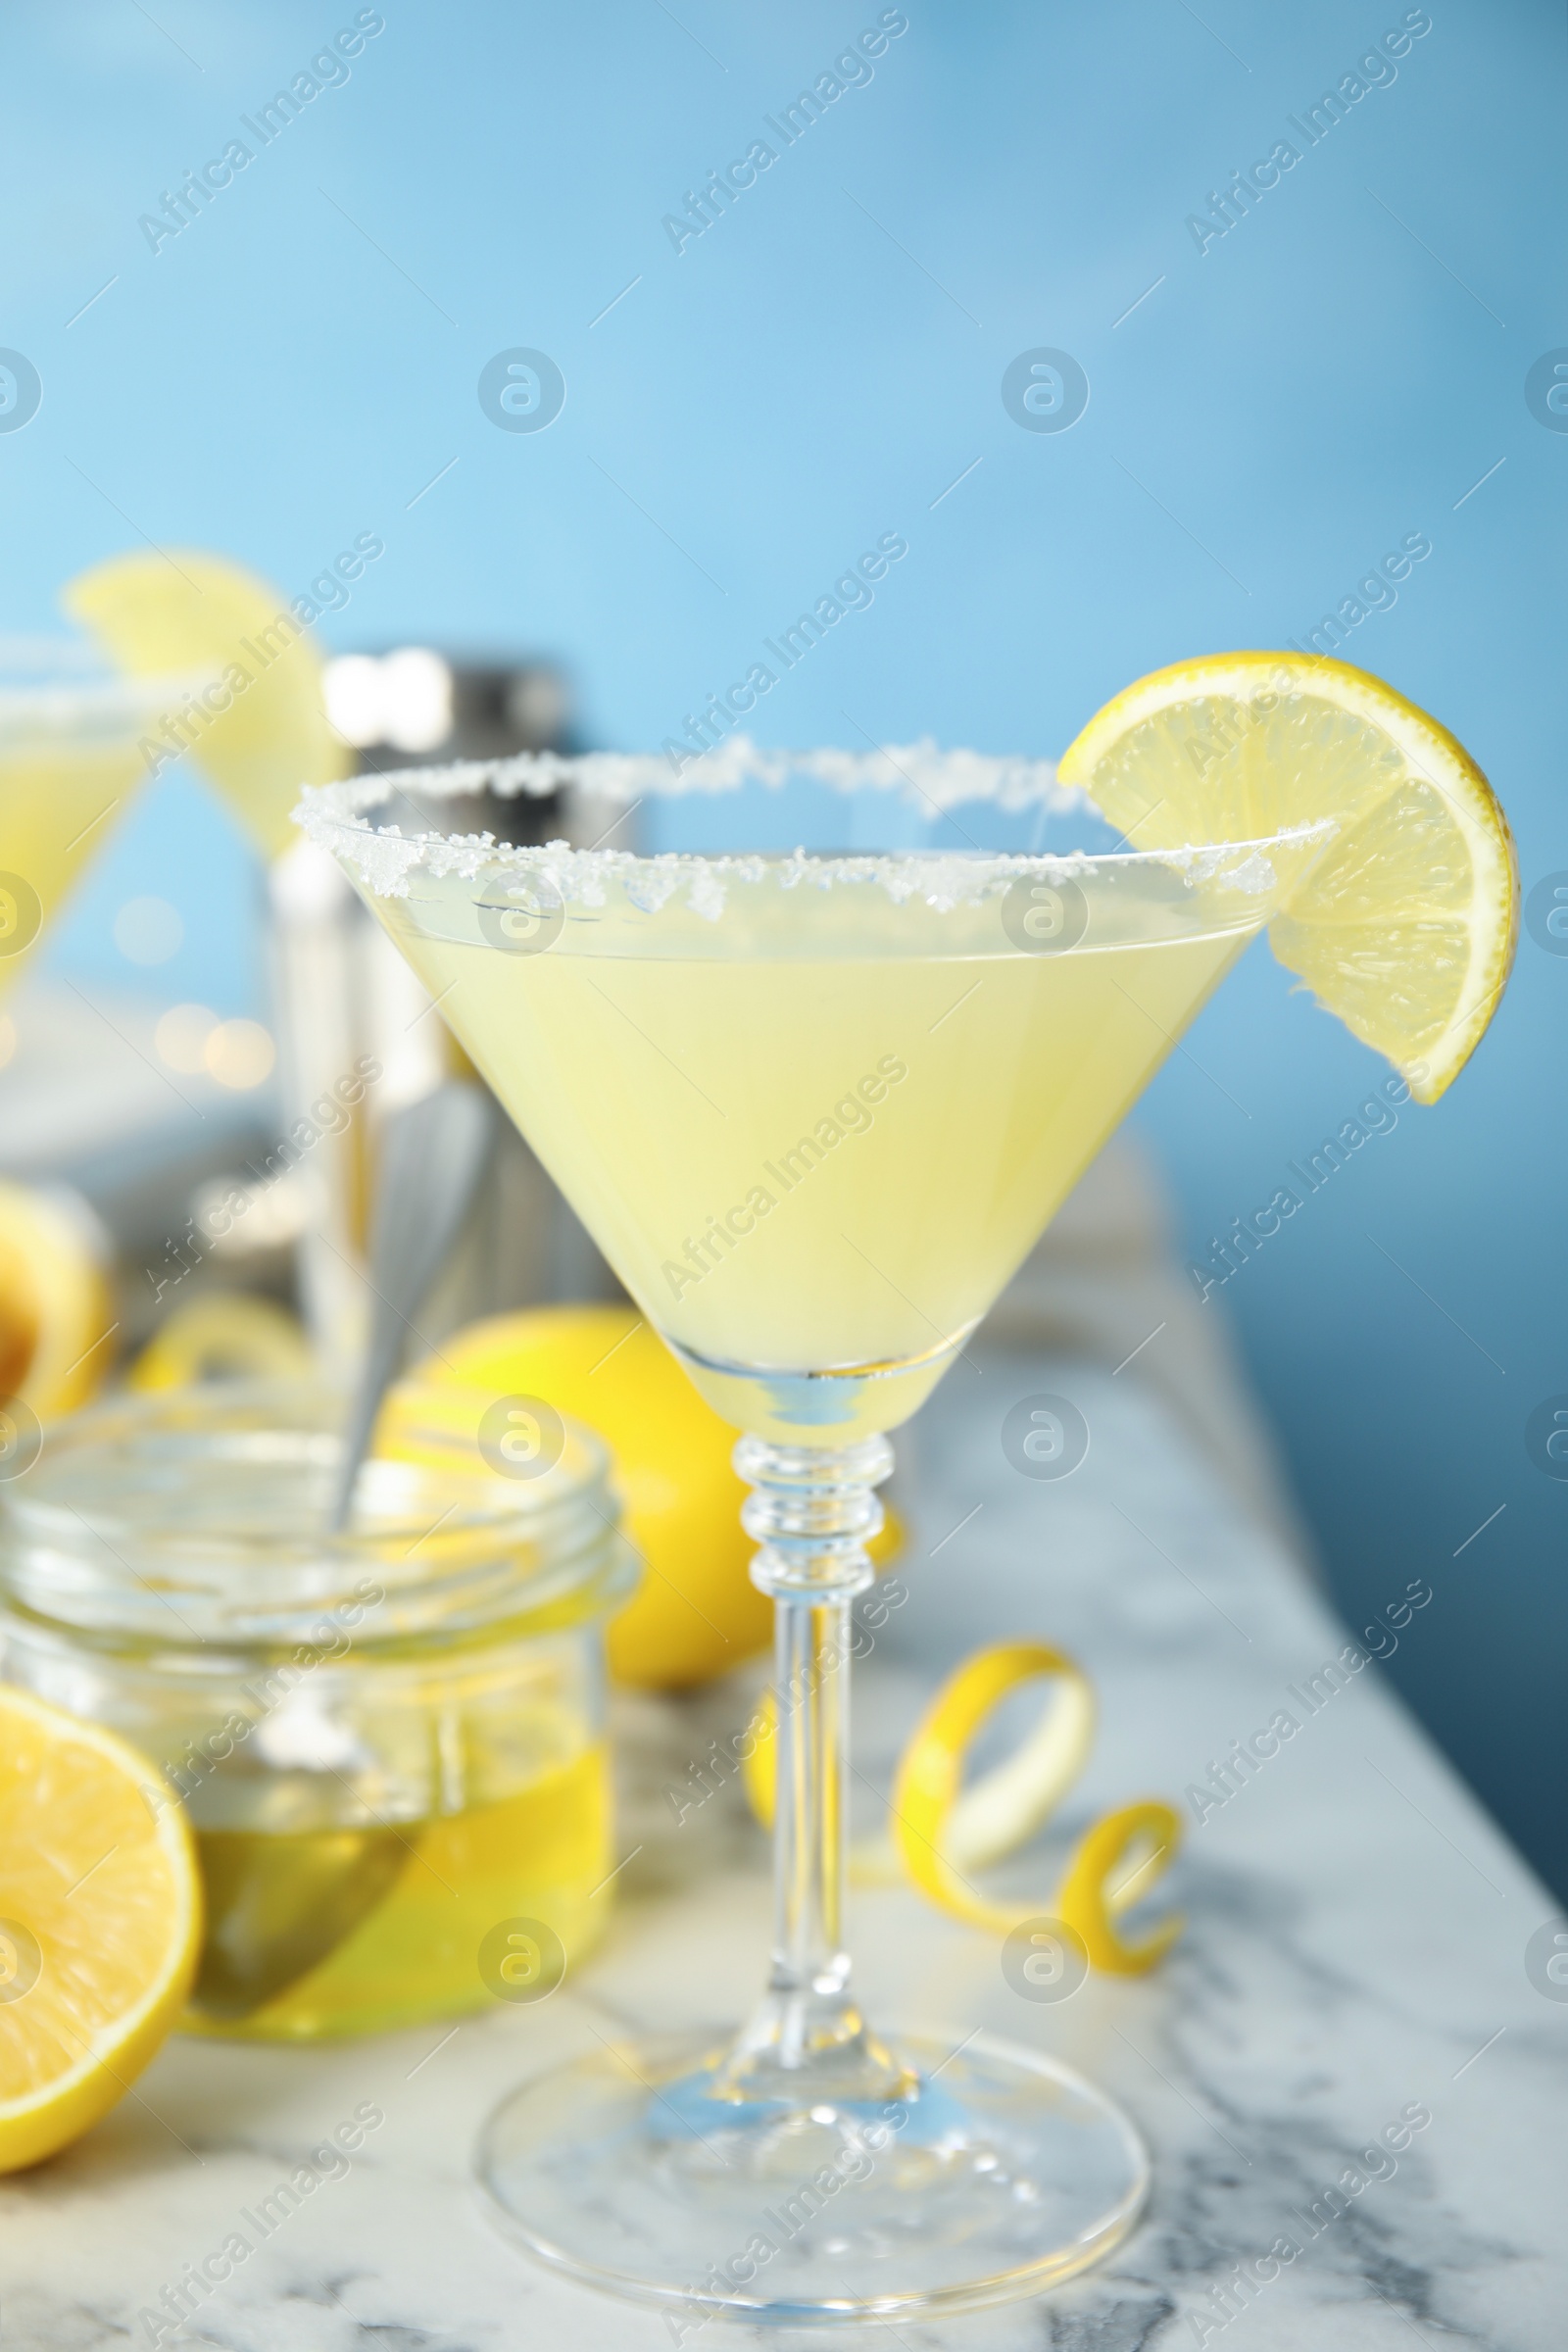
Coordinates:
[921,771]
[332,817]
[94,702]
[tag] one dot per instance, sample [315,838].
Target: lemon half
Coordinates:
[56,1323]
[1406,926]
[100,1923]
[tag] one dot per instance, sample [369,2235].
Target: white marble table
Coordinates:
[1356,1942]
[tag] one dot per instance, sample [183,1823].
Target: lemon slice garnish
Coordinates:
[100,1923]
[1405,927]
[259,728]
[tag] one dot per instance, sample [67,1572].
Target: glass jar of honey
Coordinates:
[389,1741]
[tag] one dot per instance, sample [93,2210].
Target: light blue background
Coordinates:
[1336,372]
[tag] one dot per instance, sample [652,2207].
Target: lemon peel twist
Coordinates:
[942,1830]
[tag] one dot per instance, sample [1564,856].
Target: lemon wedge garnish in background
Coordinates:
[56,1320]
[1405,927]
[158,616]
[100,1923]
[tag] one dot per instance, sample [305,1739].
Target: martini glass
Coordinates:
[71,760]
[814,1110]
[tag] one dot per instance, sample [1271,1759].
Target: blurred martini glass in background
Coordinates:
[70,763]
[814,1110]
[256,724]
[196,656]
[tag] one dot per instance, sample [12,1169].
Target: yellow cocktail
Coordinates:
[816,1130]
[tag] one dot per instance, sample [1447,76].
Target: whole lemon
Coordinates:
[696,1613]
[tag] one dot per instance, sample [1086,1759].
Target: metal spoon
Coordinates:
[433,1154]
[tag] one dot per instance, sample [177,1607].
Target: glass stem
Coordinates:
[812,1702]
[814,1508]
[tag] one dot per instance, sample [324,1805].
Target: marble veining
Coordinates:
[1355,1950]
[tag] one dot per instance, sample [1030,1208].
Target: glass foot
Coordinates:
[639,2171]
